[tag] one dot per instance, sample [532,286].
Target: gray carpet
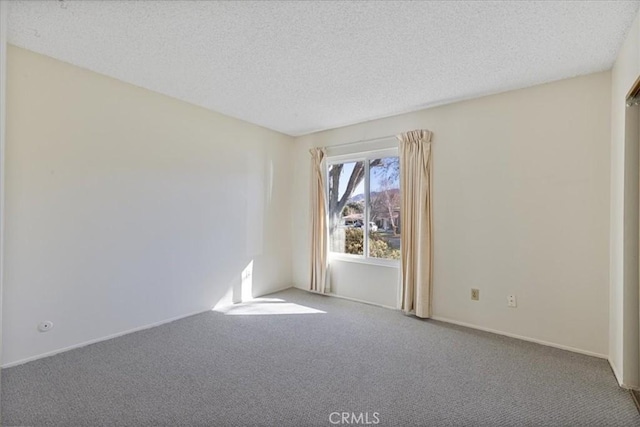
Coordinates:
[216,369]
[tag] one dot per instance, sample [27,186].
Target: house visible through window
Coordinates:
[364,200]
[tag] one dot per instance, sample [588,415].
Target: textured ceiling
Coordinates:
[299,67]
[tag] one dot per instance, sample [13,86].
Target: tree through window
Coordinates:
[364,200]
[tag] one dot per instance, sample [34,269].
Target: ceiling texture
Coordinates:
[302,67]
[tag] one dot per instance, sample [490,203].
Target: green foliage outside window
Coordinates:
[378,248]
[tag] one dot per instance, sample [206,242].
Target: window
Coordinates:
[364,200]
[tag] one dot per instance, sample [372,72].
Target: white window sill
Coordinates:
[394,263]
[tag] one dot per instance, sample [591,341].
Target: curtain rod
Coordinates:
[362,141]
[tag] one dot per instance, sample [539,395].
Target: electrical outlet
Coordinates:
[45,326]
[511,301]
[475,294]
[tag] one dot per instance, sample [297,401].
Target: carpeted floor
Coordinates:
[246,368]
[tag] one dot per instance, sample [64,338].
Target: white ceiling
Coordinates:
[300,67]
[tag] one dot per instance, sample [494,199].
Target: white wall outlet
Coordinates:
[511,301]
[475,294]
[45,326]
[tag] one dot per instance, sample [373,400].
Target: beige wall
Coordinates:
[521,190]
[126,208]
[4,6]
[623,290]
[112,191]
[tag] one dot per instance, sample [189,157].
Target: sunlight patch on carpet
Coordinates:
[266,306]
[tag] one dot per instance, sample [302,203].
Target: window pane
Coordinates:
[346,207]
[384,208]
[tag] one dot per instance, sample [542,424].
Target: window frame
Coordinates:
[360,156]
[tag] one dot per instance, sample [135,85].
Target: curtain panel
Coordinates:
[416,222]
[318,241]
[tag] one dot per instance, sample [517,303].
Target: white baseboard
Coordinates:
[329,294]
[97,340]
[481,328]
[627,387]
[439,318]
[616,373]
[619,377]
[521,337]
[284,288]
[116,335]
